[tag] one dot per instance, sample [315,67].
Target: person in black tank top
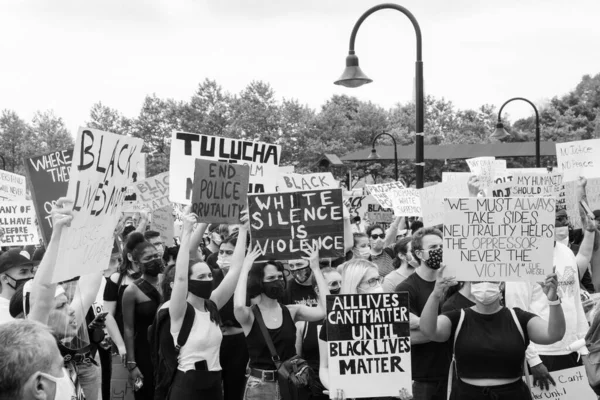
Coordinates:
[265,284]
[140,303]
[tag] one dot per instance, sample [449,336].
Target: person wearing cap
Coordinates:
[300,288]
[15,270]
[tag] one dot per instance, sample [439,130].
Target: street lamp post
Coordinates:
[354,77]
[375,156]
[500,133]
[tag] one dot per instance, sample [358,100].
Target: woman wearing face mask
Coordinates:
[358,276]
[361,249]
[198,374]
[140,302]
[404,264]
[265,284]
[489,348]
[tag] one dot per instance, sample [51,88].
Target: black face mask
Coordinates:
[135,275]
[274,290]
[335,291]
[153,267]
[435,258]
[201,289]
[18,282]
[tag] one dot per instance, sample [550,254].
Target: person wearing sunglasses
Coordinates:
[382,254]
[300,288]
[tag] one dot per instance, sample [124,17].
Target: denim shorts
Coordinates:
[257,389]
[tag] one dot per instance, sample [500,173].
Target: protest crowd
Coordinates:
[217,280]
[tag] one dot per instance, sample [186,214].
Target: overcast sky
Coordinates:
[66,55]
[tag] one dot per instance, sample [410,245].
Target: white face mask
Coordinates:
[223,263]
[485,292]
[561,234]
[65,390]
[362,251]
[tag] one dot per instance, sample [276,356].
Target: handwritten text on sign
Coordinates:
[163,221]
[48,181]
[368,338]
[284,224]
[571,384]
[153,193]
[484,168]
[12,186]
[406,202]
[17,220]
[499,239]
[432,199]
[262,159]
[299,182]
[579,158]
[102,170]
[529,185]
[220,191]
[382,192]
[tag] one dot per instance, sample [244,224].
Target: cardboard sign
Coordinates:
[571,384]
[499,239]
[299,182]
[369,210]
[368,337]
[163,221]
[285,224]
[220,191]
[406,203]
[579,158]
[102,170]
[12,186]
[48,176]
[17,221]
[382,192]
[262,159]
[571,205]
[484,168]
[120,387]
[152,193]
[530,185]
[432,200]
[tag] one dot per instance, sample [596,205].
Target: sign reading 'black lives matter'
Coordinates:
[368,339]
[283,225]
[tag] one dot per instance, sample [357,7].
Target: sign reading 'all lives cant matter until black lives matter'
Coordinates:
[284,224]
[499,239]
[368,342]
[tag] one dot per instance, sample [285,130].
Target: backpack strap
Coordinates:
[520,328]
[266,335]
[148,290]
[453,367]
[186,327]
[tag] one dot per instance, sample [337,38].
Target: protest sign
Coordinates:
[452,176]
[102,170]
[578,158]
[368,338]
[152,193]
[382,192]
[499,165]
[368,210]
[163,221]
[17,221]
[499,239]
[261,158]
[571,384]
[48,176]
[12,186]
[220,191]
[571,203]
[299,182]
[530,185]
[284,224]
[406,202]
[484,168]
[432,199]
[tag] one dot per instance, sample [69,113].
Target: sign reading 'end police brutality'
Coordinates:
[283,225]
[262,159]
[368,339]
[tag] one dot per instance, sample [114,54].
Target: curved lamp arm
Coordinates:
[537,126]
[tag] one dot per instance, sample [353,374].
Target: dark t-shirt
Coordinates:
[430,361]
[490,346]
[296,293]
[456,302]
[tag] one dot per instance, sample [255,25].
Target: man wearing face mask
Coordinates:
[529,296]
[15,270]
[31,366]
[430,360]
[300,288]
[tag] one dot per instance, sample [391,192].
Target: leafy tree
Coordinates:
[51,132]
[108,119]
[13,131]
[255,114]
[208,111]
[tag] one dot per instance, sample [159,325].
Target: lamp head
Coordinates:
[352,76]
[374,155]
[500,133]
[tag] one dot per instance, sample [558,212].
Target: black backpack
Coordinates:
[163,351]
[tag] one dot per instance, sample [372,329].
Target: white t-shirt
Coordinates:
[204,343]
[531,297]
[4,313]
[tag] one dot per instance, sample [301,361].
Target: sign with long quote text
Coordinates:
[48,177]
[261,158]
[383,192]
[17,221]
[580,158]
[499,238]
[284,224]
[220,191]
[12,186]
[102,170]
[368,342]
[530,185]
[571,383]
